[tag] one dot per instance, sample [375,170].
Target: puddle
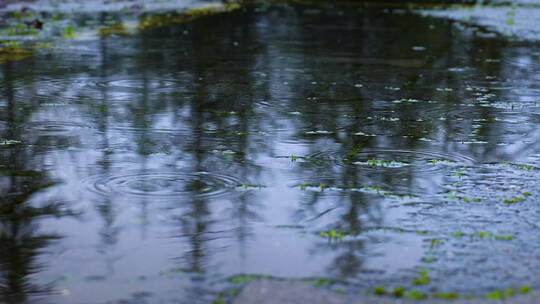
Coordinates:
[275,140]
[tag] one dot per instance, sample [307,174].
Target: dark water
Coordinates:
[363,146]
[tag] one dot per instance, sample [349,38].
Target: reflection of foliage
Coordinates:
[19,239]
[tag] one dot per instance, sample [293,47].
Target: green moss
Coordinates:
[243,278]
[446,295]
[484,234]
[332,234]
[451,194]
[251,186]
[14,52]
[496,294]
[115,29]
[398,291]
[375,162]
[379,290]
[508,292]
[514,199]
[321,282]
[165,19]
[434,243]
[376,188]
[521,166]
[20,30]
[69,31]
[219,300]
[422,278]
[416,294]
[524,289]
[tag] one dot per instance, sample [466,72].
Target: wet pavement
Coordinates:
[358,151]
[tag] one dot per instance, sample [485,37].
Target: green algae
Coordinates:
[521,166]
[165,19]
[250,186]
[434,243]
[416,294]
[513,200]
[323,282]
[244,278]
[115,29]
[422,278]
[332,234]
[69,32]
[14,53]
[219,300]
[398,291]
[382,163]
[18,51]
[379,290]
[524,289]
[451,194]
[445,295]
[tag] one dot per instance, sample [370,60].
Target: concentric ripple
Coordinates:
[56,127]
[420,161]
[155,84]
[163,184]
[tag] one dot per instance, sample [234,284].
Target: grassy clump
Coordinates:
[446,295]
[422,278]
[379,290]
[513,200]
[416,294]
[398,291]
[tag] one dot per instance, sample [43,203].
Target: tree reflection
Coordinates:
[21,238]
[226,95]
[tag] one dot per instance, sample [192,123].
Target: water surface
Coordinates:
[362,146]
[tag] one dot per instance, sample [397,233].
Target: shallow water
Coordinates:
[360,146]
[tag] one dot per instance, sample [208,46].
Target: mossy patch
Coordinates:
[422,278]
[514,199]
[332,234]
[416,294]
[379,290]
[446,295]
[381,163]
[521,166]
[115,29]
[14,53]
[244,278]
[161,20]
[398,291]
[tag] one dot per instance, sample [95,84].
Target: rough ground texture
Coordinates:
[293,292]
